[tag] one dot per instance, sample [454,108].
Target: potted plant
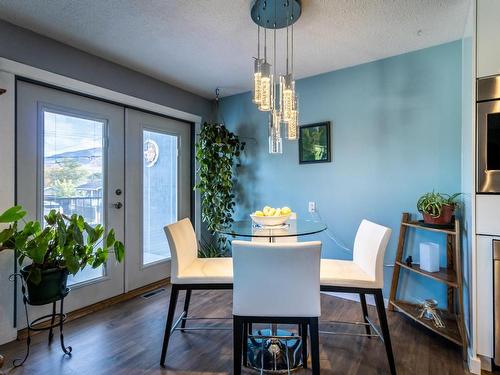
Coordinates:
[437,208]
[65,245]
[217,153]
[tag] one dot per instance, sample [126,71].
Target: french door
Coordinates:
[157,182]
[117,167]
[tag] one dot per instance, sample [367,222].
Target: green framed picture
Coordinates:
[314,143]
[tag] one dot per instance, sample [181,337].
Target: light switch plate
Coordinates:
[312,206]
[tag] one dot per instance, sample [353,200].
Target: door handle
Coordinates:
[118,205]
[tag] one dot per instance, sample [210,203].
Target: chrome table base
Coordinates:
[274,351]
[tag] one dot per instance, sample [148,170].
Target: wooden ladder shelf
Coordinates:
[451,276]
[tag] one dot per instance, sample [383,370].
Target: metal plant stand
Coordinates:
[31,326]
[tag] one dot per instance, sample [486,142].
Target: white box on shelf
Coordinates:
[429,256]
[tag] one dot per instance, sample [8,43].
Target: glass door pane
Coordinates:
[159,193]
[73,172]
[70,153]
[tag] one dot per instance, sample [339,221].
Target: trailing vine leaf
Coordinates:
[100,257]
[119,249]
[110,240]
[12,214]
[6,234]
[51,218]
[217,152]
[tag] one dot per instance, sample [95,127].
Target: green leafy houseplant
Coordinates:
[67,244]
[437,208]
[217,151]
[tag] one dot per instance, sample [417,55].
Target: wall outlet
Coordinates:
[312,206]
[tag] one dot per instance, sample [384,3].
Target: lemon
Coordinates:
[286,210]
[278,212]
[271,211]
[259,213]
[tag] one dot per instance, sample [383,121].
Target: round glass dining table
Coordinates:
[274,350]
[293,228]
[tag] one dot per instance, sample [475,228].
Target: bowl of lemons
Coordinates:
[270,216]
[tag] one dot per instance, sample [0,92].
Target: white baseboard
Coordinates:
[478,363]
[355,297]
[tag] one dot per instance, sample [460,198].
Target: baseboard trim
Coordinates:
[477,363]
[23,333]
[370,300]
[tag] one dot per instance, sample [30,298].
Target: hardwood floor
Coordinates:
[126,339]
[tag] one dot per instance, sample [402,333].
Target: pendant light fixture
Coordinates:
[282,108]
[275,140]
[289,101]
[266,81]
[257,74]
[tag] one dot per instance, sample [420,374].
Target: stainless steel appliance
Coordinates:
[488,135]
[496,300]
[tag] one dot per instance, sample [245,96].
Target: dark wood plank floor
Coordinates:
[126,339]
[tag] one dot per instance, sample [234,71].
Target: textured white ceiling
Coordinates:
[203,44]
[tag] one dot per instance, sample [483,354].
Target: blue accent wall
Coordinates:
[396,133]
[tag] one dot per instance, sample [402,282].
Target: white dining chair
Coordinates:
[276,283]
[363,275]
[188,272]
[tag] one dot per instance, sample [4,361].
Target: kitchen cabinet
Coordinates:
[488,38]
[488,214]
[485,295]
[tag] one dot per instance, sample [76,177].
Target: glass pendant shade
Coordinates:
[287,96]
[275,140]
[266,84]
[293,126]
[257,81]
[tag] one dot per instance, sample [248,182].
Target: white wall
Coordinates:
[7,106]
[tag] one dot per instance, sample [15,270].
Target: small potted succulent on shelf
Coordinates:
[437,208]
[65,245]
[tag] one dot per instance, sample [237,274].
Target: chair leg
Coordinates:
[314,334]
[246,327]
[364,308]
[303,334]
[174,294]
[237,343]
[186,308]
[382,317]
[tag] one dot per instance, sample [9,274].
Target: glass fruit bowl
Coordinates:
[270,220]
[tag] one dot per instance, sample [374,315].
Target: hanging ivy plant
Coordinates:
[217,153]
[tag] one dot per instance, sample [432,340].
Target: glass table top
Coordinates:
[247,228]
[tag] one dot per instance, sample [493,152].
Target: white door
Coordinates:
[158,192]
[70,157]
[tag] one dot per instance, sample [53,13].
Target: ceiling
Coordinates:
[199,45]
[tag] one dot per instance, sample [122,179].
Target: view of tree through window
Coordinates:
[73,171]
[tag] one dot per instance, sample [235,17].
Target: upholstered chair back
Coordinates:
[183,246]
[369,249]
[276,279]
